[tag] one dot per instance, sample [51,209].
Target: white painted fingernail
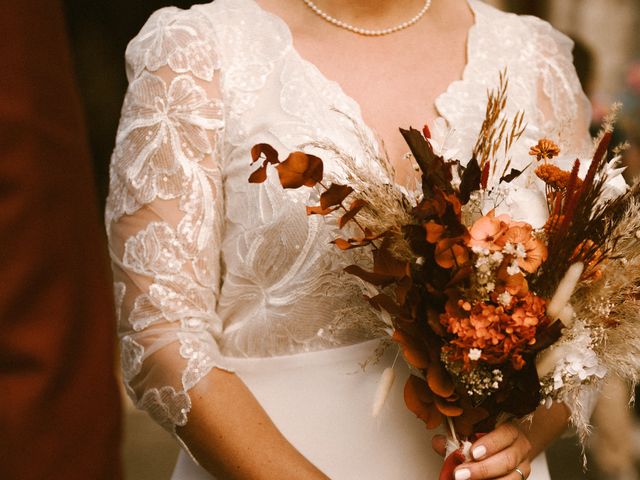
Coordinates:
[479,452]
[463,474]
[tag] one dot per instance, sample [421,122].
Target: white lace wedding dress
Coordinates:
[211,271]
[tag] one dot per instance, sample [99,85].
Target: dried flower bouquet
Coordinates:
[495,315]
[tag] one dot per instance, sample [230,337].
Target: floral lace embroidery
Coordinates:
[176,38]
[167,406]
[154,250]
[163,132]
[200,355]
[131,356]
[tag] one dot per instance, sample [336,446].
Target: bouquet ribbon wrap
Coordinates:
[456,454]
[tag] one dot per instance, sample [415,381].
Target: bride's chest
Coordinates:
[353,105]
[291,96]
[393,86]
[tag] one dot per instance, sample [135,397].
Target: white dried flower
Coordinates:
[484,268]
[505,298]
[497,257]
[576,361]
[513,269]
[480,250]
[475,354]
[482,260]
[516,250]
[509,249]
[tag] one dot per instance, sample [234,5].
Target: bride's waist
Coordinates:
[349,357]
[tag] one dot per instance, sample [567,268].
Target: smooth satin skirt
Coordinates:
[321,402]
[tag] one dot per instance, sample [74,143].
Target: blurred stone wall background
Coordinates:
[609,43]
[610,29]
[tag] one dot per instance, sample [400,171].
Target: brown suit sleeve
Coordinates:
[59,403]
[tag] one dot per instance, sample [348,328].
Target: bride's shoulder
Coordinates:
[195,40]
[539,60]
[184,39]
[521,34]
[181,39]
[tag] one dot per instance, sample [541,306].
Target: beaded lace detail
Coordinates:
[208,266]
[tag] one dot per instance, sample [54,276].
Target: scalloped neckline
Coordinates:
[353,103]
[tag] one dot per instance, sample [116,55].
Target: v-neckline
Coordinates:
[352,102]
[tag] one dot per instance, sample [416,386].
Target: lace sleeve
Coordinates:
[164,214]
[564,110]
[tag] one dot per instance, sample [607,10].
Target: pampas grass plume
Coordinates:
[382,392]
[567,315]
[563,293]
[547,360]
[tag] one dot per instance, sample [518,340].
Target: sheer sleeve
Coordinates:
[165,213]
[564,111]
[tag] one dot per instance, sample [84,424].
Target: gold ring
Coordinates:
[521,474]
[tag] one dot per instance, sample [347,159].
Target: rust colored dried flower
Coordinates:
[535,250]
[487,230]
[553,222]
[516,285]
[588,248]
[545,149]
[502,333]
[555,177]
[451,252]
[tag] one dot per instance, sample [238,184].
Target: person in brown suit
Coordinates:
[59,403]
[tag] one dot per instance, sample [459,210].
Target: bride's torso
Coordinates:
[283,289]
[207,263]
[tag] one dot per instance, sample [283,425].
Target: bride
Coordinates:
[240,332]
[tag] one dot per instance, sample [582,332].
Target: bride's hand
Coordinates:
[496,455]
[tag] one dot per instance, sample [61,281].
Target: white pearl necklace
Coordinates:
[364,31]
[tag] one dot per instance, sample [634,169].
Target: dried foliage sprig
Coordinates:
[302,169]
[497,135]
[373,185]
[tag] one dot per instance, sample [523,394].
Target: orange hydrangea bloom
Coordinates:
[502,333]
[493,233]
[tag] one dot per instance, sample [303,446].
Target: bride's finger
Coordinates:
[500,465]
[495,441]
[525,468]
[439,444]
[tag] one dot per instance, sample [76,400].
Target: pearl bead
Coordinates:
[364,31]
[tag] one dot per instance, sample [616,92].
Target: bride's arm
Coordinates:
[230,434]
[165,217]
